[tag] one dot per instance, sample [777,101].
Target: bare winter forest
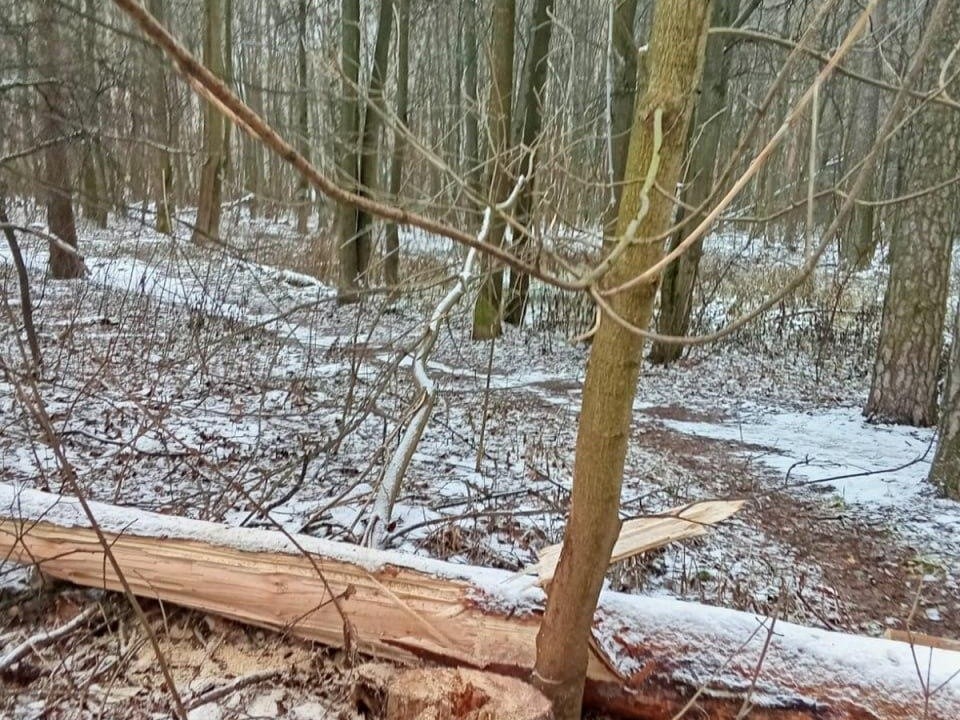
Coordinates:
[490,359]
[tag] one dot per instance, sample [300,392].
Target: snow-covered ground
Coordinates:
[879,471]
[203,383]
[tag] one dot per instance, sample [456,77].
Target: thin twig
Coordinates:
[45,638]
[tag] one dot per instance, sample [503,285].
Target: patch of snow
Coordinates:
[310,711]
[207,711]
[874,469]
[833,442]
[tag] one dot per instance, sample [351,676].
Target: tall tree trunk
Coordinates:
[93,200]
[372,123]
[65,264]
[162,122]
[391,260]
[945,127]
[905,372]
[346,231]
[858,245]
[945,470]
[677,42]
[252,149]
[532,122]
[623,99]
[473,170]
[486,311]
[215,127]
[93,193]
[303,117]
[680,277]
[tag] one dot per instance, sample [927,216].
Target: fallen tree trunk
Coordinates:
[652,656]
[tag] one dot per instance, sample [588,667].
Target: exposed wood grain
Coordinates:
[649,533]
[930,641]
[650,655]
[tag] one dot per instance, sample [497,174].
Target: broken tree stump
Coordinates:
[651,657]
[431,693]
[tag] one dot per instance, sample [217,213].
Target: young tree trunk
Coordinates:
[532,121]
[677,42]
[303,117]
[348,249]
[391,259]
[905,372]
[471,122]
[679,279]
[94,205]
[93,191]
[858,245]
[252,149]
[215,127]
[163,169]
[486,311]
[623,100]
[369,144]
[65,264]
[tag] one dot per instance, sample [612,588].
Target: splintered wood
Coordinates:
[649,533]
[435,693]
[651,657]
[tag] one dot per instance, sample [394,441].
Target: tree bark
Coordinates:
[679,278]
[487,310]
[65,261]
[369,161]
[677,41]
[162,120]
[945,470]
[303,117]
[23,282]
[391,260]
[472,166]
[906,367]
[94,203]
[215,127]
[858,246]
[623,100]
[348,249]
[93,193]
[532,122]
[252,149]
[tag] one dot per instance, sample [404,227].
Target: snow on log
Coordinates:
[652,656]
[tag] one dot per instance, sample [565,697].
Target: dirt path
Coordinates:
[870,579]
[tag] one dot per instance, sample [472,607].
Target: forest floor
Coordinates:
[202,383]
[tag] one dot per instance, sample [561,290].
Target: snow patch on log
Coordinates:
[700,639]
[509,593]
